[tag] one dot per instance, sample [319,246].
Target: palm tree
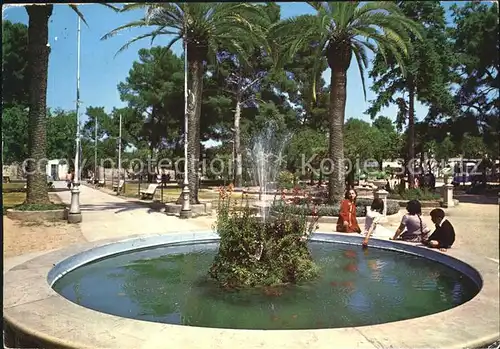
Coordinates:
[38,63]
[340,30]
[204,27]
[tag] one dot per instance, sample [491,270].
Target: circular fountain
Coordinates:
[139,292]
[356,287]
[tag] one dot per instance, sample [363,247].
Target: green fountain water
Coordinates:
[354,288]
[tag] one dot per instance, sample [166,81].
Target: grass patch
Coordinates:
[170,193]
[15,200]
[13,188]
[39,207]
[17,185]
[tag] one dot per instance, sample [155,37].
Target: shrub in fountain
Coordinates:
[256,252]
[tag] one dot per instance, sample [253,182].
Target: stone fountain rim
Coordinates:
[33,308]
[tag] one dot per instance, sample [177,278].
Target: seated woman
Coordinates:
[347,222]
[412,228]
[372,222]
[444,235]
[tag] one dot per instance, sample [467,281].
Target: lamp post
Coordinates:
[185,208]
[95,153]
[120,150]
[75,215]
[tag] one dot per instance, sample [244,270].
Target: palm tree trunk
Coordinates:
[238,178]
[196,71]
[38,63]
[336,185]
[411,135]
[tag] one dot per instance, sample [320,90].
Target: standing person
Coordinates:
[412,228]
[432,181]
[444,235]
[69,179]
[347,222]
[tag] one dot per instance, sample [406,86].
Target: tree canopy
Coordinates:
[269,70]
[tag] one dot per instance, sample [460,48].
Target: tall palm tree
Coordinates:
[341,30]
[204,27]
[38,63]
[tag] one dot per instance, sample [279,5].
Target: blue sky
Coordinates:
[100,71]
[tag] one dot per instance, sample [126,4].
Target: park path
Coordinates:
[106,216]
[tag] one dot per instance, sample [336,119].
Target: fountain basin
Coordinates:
[34,312]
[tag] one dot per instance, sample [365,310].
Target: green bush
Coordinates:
[285,180]
[374,174]
[254,253]
[300,208]
[415,194]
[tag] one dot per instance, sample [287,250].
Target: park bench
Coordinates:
[149,192]
[118,187]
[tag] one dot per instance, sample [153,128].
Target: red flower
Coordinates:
[283,195]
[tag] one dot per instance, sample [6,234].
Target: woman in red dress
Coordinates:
[347,222]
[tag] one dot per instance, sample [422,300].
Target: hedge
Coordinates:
[416,194]
[333,210]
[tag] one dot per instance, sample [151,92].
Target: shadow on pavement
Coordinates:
[120,207]
[477,199]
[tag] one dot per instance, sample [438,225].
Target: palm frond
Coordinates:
[114,8]
[383,48]
[317,5]
[293,32]
[346,13]
[377,7]
[79,13]
[161,31]
[137,38]
[134,24]
[362,61]
[317,62]
[134,6]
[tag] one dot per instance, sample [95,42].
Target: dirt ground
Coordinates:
[25,237]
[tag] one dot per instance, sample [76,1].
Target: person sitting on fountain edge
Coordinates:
[374,214]
[412,228]
[347,222]
[444,235]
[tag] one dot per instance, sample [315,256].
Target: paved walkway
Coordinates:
[107,216]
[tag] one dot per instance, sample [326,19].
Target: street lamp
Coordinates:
[75,215]
[95,153]
[185,208]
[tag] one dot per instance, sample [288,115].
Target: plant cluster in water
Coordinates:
[254,252]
